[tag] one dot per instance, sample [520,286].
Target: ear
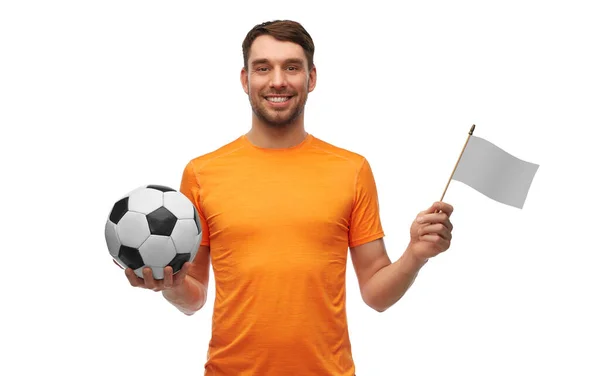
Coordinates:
[312,79]
[244,79]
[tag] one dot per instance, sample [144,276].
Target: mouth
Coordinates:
[278,100]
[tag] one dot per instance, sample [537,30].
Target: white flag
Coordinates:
[495,173]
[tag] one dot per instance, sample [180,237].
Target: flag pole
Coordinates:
[456,165]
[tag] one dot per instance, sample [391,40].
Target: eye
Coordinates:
[262,69]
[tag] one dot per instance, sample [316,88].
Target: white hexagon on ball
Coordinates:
[157,251]
[185,236]
[178,204]
[145,201]
[133,229]
[134,190]
[112,239]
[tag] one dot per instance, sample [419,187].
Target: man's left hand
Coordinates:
[431,231]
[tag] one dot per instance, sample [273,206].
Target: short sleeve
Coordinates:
[365,221]
[191,189]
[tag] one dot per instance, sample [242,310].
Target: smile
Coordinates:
[278,99]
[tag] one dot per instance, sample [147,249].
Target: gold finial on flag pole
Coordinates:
[456,165]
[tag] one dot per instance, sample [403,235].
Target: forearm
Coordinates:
[188,297]
[391,282]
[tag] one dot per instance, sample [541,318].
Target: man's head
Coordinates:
[278,71]
[286,31]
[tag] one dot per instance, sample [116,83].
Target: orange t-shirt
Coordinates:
[279,223]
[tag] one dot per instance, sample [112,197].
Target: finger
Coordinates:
[444,208]
[132,278]
[168,277]
[434,208]
[149,280]
[440,243]
[116,263]
[433,218]
[422,216]
[180,276]
[438,219]
[435,229]
[440,206]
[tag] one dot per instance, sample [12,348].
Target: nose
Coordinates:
[278,79]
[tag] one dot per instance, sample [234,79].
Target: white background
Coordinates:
[98,98]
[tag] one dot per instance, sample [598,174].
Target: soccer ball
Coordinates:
[153,226]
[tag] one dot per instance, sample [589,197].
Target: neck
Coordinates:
[269,137]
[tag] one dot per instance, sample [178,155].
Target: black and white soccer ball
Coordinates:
[153,226]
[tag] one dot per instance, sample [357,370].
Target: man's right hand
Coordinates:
[169,281]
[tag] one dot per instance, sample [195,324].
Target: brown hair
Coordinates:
[283,30]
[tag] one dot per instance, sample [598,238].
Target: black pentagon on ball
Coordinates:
[161,188]
[131,257]
[197,220]
[161,221]
[178,261]
[119,210]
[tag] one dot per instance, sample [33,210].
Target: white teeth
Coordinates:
[277,99]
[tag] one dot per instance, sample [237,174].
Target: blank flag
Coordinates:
[495,173]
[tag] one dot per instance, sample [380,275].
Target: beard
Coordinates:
[277,118]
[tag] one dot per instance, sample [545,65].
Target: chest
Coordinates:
[271,201]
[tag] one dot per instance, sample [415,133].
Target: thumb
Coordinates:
[435,207]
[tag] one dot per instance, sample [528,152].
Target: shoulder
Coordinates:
[353,158]
[201,161]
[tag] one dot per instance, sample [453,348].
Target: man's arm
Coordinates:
[190,295]
[382,283]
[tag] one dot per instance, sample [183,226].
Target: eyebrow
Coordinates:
[286,61]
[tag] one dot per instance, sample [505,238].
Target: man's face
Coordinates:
[277,80]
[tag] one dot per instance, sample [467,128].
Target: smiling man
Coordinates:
[280,209]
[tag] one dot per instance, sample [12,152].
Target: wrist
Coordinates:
[413,261]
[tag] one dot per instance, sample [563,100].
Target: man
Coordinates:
[279,209]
